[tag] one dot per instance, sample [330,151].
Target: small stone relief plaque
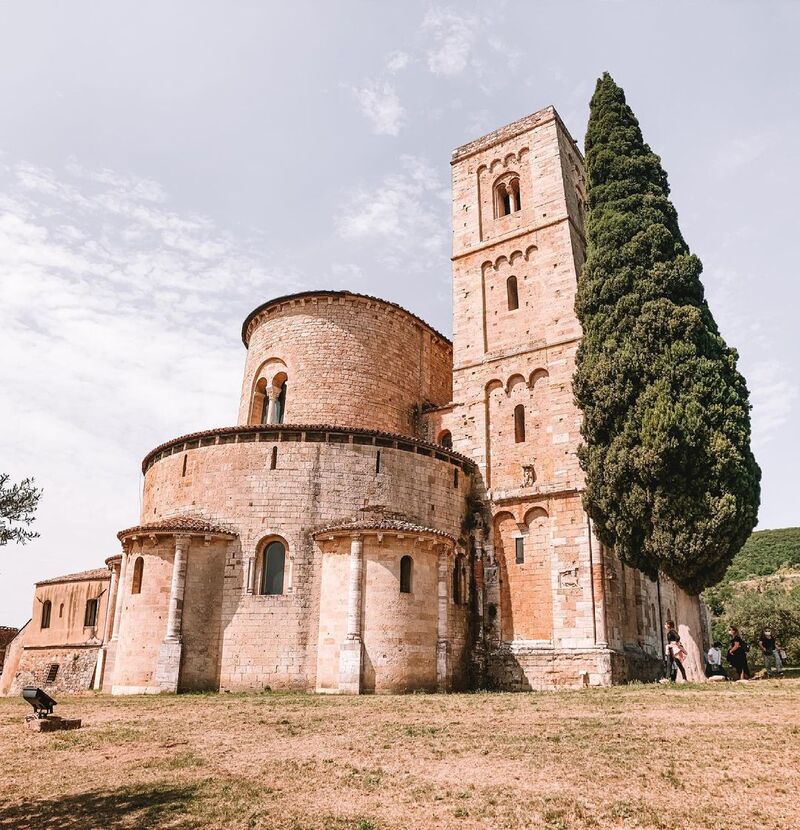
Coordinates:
[568,578]
[490,575]
[528,475]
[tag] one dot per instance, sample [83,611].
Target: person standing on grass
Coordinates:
[737,654]
[676,653]
[770,648]
[714,661]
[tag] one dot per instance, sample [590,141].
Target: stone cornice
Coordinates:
[306,296]
[323,433]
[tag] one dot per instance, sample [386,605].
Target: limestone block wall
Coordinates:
[320,478]
[536,375]
[349,360]
[143,623]
[201,629]
[12,658]
[76,668]
[399,630]
[7,634]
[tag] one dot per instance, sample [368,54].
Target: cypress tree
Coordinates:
[671,482]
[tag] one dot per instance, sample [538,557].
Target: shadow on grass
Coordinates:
[125,808]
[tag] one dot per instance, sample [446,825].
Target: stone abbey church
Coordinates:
[392,512]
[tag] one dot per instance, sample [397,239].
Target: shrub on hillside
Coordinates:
[752,610]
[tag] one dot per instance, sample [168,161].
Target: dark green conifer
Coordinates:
[672,484]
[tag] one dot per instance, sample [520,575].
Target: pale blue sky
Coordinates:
[166,167]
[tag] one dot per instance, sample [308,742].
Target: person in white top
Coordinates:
[714,661]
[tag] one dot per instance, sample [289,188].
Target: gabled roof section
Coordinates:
[384,525]
[177,524]
[81,576]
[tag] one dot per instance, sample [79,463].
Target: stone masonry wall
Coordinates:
[76,668]
[351,361]
[271,640]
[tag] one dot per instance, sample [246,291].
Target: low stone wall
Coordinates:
[513,667]
[76,668]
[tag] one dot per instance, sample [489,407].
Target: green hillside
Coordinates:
[764,552]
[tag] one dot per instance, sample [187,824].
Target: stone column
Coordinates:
[251,575]
[123,570]
[272,396]
[599,589]
[175,616]
[442,642]
[113,586]
[350,652]
[108,623]
[169,655]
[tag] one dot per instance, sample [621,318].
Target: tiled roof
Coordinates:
[94,573]
[394,525]
[244,429]
[176,524]
[327,293]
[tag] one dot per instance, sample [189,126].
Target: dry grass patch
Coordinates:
[640,756]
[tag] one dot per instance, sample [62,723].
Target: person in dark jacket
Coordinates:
[676,653]
[737,654]
[770,648]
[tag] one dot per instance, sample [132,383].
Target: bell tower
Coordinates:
[518,245]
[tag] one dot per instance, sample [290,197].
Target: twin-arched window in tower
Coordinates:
[507,198]
[269,399]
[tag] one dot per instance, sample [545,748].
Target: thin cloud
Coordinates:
[773,395]
[380,104]
[120,322]
[397,61]
[454,36]
[406,215]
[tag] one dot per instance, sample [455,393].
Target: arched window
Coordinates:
[507,197]
[513,295]
[273,458]
[269,400]
[47,607]
[446,439]
[406,564]
[272,568]
[138,571]
[519,423]
[61,610]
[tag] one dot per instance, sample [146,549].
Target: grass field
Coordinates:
[642,756]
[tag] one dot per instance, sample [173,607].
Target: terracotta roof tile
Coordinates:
[175,524]
[396,525]
[94,573]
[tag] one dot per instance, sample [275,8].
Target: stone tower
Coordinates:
[517,249]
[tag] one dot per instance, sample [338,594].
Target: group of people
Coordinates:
[736,654]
